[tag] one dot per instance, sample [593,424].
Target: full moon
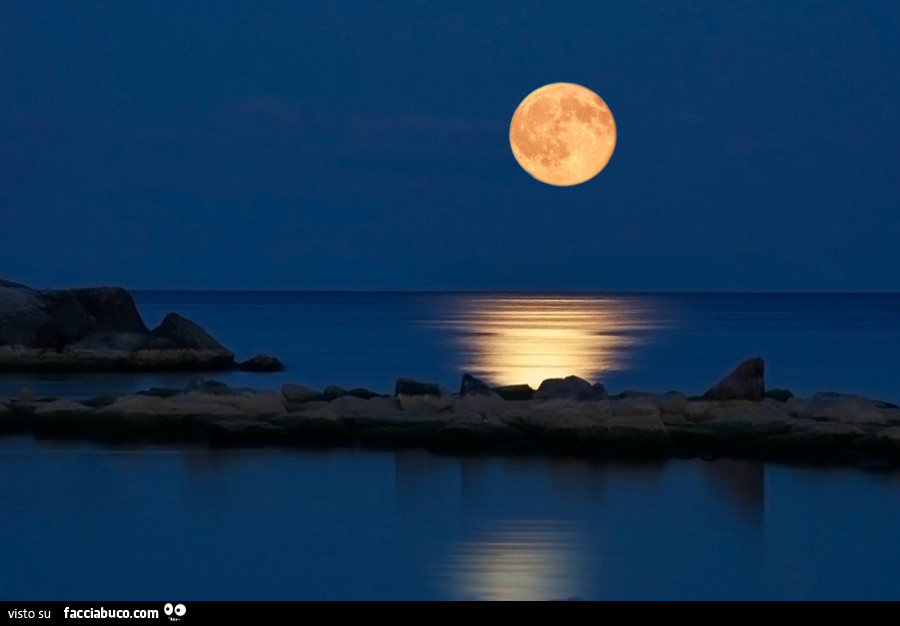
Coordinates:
[563,134]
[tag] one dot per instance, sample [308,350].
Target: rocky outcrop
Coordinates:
[208,387]
[80,313]
[515,392]
[101,329]
[827,428]
[298,393]
[471,386]
[262,363]
[363,393]
[56,319]
[410,387]
[839,407]
[176,331]
[23,316]
[745,382]
[332,392]
[569,388]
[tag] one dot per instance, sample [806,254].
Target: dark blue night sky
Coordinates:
[363,145]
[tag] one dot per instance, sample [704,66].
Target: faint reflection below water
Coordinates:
[518,560]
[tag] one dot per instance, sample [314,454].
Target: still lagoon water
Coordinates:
[80,521]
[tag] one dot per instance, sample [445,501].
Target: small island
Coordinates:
[99,329]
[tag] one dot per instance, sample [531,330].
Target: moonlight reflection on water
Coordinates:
[519,561]
[512,339]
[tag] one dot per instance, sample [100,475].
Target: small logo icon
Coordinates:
[175,612]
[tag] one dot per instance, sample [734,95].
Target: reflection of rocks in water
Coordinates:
[571,479]
[418,475]
[474,480]
[518,561]
[741,484]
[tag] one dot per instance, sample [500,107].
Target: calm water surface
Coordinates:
[80,521]
[656,342]
[174,523]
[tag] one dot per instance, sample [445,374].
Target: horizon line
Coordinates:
[526,291]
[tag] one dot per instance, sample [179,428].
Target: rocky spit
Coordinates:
[737,417]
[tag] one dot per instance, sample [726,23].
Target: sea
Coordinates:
[82,521]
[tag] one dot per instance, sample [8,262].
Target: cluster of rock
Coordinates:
[100,329]
[736,417]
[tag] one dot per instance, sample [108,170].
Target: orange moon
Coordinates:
[563,134]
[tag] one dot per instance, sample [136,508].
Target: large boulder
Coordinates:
[569,388]
[179,343]
[298,393]
[185,335]
[23,316]
[262,363]
[332,392]
[78,313]
[210,387]
[362,393]
[471,386]
[410,387]
[515,392]
[838,407]
[744,383]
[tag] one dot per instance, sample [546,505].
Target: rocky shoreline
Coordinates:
[99,329]
[735,418]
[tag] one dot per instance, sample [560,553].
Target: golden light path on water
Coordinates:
[512,339]
[518,561]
